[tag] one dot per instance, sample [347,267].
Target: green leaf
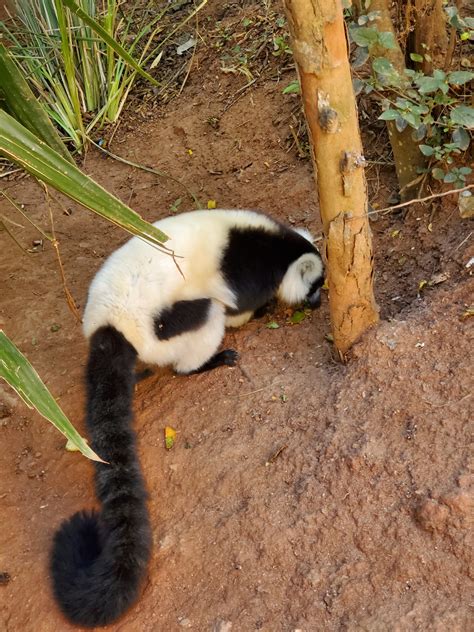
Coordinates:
[22,104]
[426,150]
[389,115]
[383,66]
[416,57]
[461,138]
[463,115]
[419,133]
[437,173]
[387,40]
[427,85]
[21,376]
[95,26]
[21,146]
[297,317]
[365,36]
[450,177]
[358,85]
[460,77]
[361,55]
[65,35]
[272,325]
[400,124]
[412,118]
[292,88]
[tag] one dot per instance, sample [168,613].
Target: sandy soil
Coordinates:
[301,494]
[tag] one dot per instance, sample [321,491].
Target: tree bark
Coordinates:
[320,51]
[406,154]
[430,33]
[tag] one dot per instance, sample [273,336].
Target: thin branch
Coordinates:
[9,173]
[69,298]
[419,200]
[22,212]
[192,57]
[463,241]
[156,172]
[10,221]
[11,235]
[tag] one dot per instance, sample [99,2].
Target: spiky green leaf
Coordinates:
[22,377]
[20,146]
[21,102]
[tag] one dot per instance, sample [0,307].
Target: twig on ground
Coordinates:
[419,200]
[156,172]
[55,243]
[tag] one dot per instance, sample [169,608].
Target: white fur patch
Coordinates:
[238,320]
[304,232]
[299,277]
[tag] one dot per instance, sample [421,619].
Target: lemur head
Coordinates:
[304,277]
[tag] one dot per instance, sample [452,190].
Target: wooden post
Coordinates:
[320,51]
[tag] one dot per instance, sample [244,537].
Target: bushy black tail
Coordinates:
[99,559]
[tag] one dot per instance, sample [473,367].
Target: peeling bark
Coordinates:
[320,51]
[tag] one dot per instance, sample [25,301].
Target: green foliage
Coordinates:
[17,98]
[435,107]
[465,26]
[281,46]
[20,146]
[292,88]
[79,57]
[370,37]
[81,82]
[21,376]
[246,44]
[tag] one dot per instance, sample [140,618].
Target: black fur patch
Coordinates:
[227,357]
[316,285]
[181,317]
[98,559]
[255,262]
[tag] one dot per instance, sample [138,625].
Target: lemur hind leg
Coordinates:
[265,309]
[227,357]
[142,375]
[196,349]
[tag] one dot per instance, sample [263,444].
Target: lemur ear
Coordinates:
[305,233]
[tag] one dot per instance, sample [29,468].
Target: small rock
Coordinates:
[431,516]
[460,502]
[222,626]
[466,205]
[184,622]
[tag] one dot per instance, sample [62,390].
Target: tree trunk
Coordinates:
[406,154]
[320,52]
[430,34]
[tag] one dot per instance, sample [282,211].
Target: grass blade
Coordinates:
[20,146]
[22,103]
[22,377]
[69,66]
[95,26]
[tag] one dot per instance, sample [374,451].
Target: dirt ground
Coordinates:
[301,494]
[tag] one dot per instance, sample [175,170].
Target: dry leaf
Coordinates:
[170,437]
